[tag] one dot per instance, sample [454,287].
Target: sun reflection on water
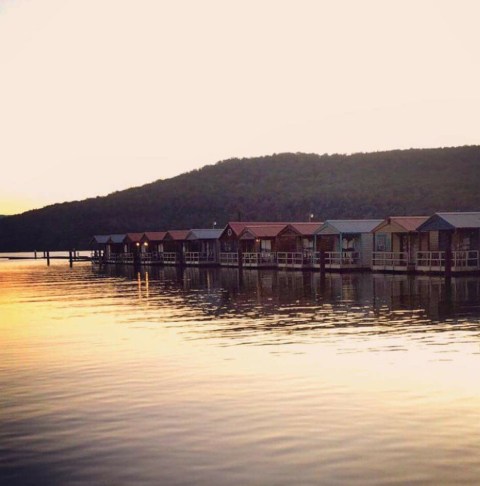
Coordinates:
[163,375]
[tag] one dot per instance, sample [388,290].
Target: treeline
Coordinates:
[280,187]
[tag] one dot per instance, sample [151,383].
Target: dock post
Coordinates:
[48,258]
[35,253]
[322,261]
[70,258]
[448,256]
[136,258]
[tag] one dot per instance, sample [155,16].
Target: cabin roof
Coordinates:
[154,235]
[238,226]
[450,221]
[101,239]
[307,229]
[134,237]
[262,231]
[177,235]
[405,223]
[117,238]
[348,226]
[204,234]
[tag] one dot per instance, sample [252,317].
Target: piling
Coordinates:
[448,256]
[322,262]
[48,257]
[136,258]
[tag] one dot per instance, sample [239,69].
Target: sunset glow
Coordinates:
[101,96]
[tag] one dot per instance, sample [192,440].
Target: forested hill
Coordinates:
[278,187]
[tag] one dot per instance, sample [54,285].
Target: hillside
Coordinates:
[278,187]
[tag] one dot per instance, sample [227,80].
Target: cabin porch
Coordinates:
[456,251]
[201,247]
[258,252]
[295,246]
[152,247]
[397,252]
[436,261]
[339,251]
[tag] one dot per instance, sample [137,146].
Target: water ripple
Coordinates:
[164,376]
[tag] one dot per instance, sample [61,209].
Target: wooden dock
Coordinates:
[73,256]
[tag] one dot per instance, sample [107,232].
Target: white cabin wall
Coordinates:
[366,249]
[433,240]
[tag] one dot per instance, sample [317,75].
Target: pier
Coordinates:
[72,256]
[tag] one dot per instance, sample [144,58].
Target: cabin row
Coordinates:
[442,243]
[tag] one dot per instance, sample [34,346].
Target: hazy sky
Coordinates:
[101,95]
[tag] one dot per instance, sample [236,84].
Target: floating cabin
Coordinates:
[98,244]
[132,248]
[174,247]
[115,248]
[230,241]
[345,244]
[259,244]
[152,244]
[296,245]
[445,243]
[202,247]
[453,243]
[397,242]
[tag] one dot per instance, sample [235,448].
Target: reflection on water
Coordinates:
[216,376]
[238,304]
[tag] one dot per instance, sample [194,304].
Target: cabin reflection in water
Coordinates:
[365,298]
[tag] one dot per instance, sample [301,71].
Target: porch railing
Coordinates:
[170,258]
[466,259]
[338,258]
[97,256]
[196,257]
[461,260]
[390,259]
[262,258]
[151,257]
[431,259]
[228,258]
[291,259]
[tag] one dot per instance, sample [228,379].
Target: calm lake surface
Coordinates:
[205,377]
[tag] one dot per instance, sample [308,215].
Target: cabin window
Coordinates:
[381,242]
[265,245]
[348,243]
[466,243]
[307,244]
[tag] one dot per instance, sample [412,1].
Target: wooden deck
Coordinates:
[467,261]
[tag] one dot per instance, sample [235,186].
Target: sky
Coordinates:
[101,95]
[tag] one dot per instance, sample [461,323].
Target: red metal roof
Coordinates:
[306,229]
[134,237]
[264,230]
[178,235]
[410,223]
[154,235]
[238,226]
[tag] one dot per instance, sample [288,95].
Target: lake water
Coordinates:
[206,377]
